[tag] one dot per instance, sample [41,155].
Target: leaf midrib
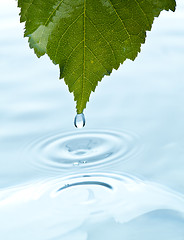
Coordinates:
[84,57]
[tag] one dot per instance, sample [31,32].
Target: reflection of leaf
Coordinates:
[88,38]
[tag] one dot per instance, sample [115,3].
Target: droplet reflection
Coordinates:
[90,203]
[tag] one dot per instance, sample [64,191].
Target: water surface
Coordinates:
[122,176]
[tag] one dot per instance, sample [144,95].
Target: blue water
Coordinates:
[122,175]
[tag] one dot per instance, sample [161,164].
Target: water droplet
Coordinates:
[83,162]
[76,164]
[79,120]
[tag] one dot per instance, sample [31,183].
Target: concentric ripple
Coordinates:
[84,149]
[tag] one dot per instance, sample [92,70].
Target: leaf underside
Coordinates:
[88,38]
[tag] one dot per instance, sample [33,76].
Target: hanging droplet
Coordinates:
[79,120]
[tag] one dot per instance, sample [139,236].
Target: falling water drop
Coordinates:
[79,120]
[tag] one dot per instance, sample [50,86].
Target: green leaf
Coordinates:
[88,38]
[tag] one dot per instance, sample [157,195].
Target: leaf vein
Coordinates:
[64,35]
[72,85]
[103,38]
[53,12]
[73,50]
[138,4]
[84,55]
[120,21]
[29,6]
[96,58]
